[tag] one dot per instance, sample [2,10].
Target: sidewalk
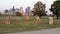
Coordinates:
[47,31]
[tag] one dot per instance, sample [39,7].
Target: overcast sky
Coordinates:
[7,4]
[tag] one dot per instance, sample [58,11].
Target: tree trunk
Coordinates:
[57,16]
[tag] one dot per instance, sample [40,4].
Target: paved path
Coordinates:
[47,31]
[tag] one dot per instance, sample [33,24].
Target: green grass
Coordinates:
[19,24]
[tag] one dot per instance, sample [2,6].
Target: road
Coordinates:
[46,31]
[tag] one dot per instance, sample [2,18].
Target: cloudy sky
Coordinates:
[7,4]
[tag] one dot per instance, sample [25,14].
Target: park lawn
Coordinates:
[19,24]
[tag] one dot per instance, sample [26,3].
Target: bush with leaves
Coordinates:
[18,14]
[55,8]
[39,9]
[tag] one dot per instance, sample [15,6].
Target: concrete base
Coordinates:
[7,21]
[37,19]
[50,20]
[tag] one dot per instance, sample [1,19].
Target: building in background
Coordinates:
[6,11]
[12,10]
[21,10]
[27,11]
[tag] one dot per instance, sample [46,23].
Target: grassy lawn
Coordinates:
[19,24]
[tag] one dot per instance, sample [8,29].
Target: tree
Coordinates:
[55,8]
[58,0]
[18,14]
[39,9]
